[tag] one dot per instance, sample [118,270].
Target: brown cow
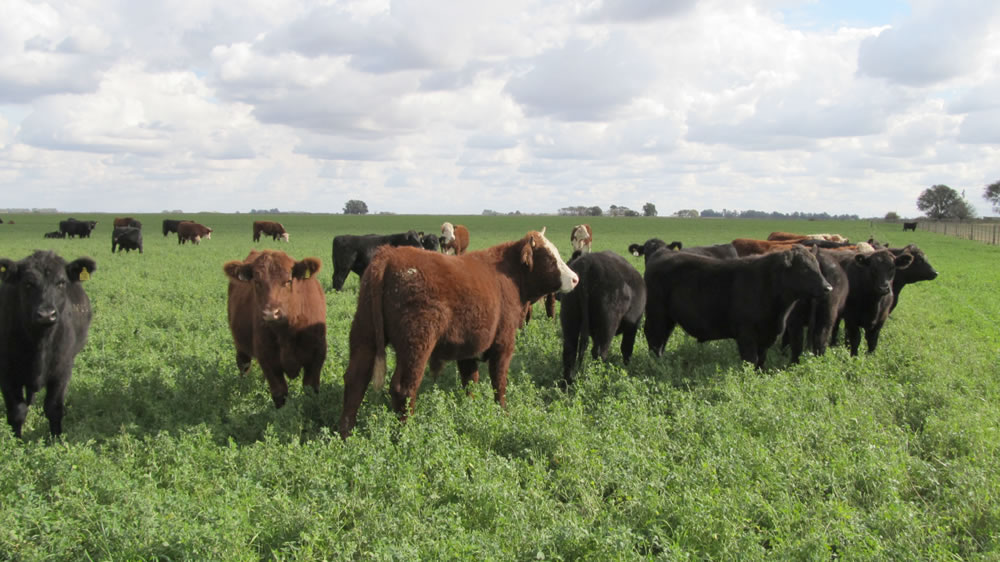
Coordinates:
[432,307]
[454,239]
[582,238]
[192,231]
[127,221]
[790,236]
[750,247]
[277,313]
[269,228]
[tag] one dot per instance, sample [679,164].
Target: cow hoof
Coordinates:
[279,401]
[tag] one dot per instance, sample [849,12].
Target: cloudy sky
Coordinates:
[444,107]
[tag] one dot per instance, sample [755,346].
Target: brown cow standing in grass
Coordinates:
[434,308]
[270,228]
[454,239]
[192,231]
[277,313]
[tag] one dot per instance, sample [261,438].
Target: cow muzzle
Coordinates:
[46,316]
[272,315]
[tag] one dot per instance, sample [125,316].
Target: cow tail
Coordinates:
[376,280]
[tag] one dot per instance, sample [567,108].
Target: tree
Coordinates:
[649,210]
[892,216]
[355,207]
[687,214]
[939,202]
[594,211]
[992,194]
[962,210]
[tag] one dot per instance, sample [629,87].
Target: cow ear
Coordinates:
[788,257]
[306,268]
[527,252]
[80,269]
[903,260]
[861,259]
[238,270]
[8,269]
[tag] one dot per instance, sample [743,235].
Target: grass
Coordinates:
[169,454]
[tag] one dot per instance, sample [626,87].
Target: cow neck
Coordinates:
[506,258]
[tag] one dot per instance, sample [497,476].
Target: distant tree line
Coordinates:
[648,210]
[753,214]
[265,212]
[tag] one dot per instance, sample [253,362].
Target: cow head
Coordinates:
[920,269]
[273,276]
[541,257]
[581,238]
[284,236]
[430,242]
[42,280]
[803,272]
[880,268]
[447,232]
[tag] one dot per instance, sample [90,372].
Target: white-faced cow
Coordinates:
[44,318]
[435,308]
[188,230]
[277,314]
[454,239]
[269,228]
[582,238]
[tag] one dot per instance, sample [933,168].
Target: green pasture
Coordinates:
[170,454]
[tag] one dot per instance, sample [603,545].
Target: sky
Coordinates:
[443,107]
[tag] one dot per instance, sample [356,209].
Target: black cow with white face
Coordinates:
[608,301]
[353,252]
[126,238]
[44,318]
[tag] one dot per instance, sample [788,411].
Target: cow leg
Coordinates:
[853,331]
[469,371]
[243,362]
[527,313]
[550,305]
[406,380]
[275,377]
[748,350]
[55,399]
[657,330]
[603,334]
[629,331]
[571,337]
[17,408]
[499,363]
[871,336]
[356,380]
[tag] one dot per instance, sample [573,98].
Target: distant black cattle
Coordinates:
[72,228]
[55,234]
[746,299]
[608,301]
[869,295]
[126,238]
[909,226]
[354,252]
[430,242]
[919,270]
[44,318]
[170,225]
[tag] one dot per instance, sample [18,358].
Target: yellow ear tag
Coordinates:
[3,268]
[84,275]
[306,275]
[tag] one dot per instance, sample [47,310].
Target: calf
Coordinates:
[44,318]
[354,253]
[919,270]
[170,225]
[609,300]
[746,299]
[126,238]
[269,228]
[188,230]
[869,297]
[582,238]
[55,234]
[911,226]
[434,308]
[277,314]
[454,239]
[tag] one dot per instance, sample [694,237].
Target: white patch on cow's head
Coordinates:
[209,235]
[635,253]
[567,277]
[448,231]
[864,248]
[284,237]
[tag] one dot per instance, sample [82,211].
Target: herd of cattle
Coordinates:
[433,301]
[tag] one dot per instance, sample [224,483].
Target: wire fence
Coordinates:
[988,233]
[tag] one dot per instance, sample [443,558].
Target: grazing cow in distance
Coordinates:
[436,308]
[746,299]
[55,234]
[353,252]
[277,314]
[454,239]
[582,238]
[126,238]
[72,227]
[869,296]
[170,225]
[127,221]
[910,226]
[919,270]
[609,300]
[188,230]
[269,228]
[44,318]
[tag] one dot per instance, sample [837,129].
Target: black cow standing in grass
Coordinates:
[817,315]
[869,297]
[653,245]
[44,318]
[170,225]
[126,238]
[608,301]
[72,227]
[354,253]
[746,299]
[919,270]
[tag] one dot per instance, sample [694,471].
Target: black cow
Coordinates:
[909,226]
[818,314]
[354,252]
[869,297]
[55,234]
[44,317]
[650,247]
[746,299]
[430,242]
[609,300]
[126,238]
[919,270]
[72,227]
[720,251]
[170,225]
